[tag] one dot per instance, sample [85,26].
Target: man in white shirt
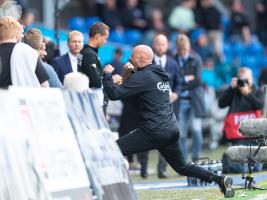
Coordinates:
[68,62]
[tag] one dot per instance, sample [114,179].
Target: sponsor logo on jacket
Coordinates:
[163,86]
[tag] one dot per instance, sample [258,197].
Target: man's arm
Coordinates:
[194,80]
[89,68]
[41,74]
[133,85]
[226,98]
[56,66]
[256,99]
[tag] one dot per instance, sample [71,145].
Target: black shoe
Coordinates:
[225,185]
[144,175]
[162,175]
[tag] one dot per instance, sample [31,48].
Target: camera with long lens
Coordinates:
[242,82]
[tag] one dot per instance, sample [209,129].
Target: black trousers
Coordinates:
[167,144]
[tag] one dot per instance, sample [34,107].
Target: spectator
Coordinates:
[263,77]
[189,73]
[243,99]
[261,10]
[116,63]
[209,18]
[34,39]
[156,25]
[238,19]
[76,81]
[51,50]
[247,38]
[27,18]
[182,16]
[132,17]
[203,48]
[111,15]
[68,62]
[20,65]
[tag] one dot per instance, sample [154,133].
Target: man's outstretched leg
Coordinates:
[174,157]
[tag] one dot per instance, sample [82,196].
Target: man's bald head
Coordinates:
[160,44]
[142,56]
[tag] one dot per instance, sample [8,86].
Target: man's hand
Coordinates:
[108,69]
[173,97]
[117,79]
[190,77]
[129,66]
[245,90]
[234,83]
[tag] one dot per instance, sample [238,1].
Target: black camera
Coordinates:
[242,82]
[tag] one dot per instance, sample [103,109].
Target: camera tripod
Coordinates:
[250,183]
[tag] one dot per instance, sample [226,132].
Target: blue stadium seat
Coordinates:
[90,21]
[237,49]
[249,61]
[77,23]
[116,36]
[254,48]
[133,36]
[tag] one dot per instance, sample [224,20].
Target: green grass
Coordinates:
[201,194]
[190,193]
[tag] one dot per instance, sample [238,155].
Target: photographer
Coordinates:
[245,102]
[242,96]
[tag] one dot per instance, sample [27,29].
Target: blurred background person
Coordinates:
[18,65]
[242,99]
[209,18]
[133,17]
[189,73]
[76,81]
[34,39]
[117,63]
[182,18]
[69,61]
[89,62]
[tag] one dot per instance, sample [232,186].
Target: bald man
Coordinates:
[158,127]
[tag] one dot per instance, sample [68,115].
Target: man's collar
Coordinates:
[157,57]
[93,48]
[72,56]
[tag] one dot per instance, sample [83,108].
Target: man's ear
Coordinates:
[97,36]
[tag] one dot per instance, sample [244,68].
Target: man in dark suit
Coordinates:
[68,62]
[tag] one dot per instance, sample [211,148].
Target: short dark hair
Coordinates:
[98,28]
[118,51]
[34,38]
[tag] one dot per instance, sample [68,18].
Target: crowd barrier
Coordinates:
[57,145]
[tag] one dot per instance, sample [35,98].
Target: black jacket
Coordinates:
[150,85]
[238,102]
[171,68]
[192,66]
[89,64]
